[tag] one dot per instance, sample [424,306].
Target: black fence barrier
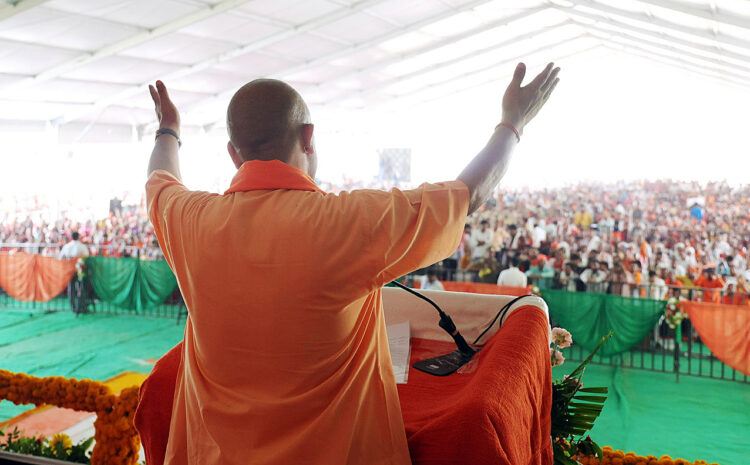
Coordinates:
[660,351]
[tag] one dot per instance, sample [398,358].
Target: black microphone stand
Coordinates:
[443,365]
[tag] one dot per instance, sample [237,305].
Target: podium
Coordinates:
[496,410]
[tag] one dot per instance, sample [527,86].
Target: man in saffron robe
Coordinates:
[285,358]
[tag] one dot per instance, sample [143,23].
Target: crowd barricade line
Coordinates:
[34,278]
[129,286]
[646,342]
[101,284]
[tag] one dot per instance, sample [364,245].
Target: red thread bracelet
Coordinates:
[512,128]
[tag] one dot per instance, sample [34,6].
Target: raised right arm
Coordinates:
[520,105]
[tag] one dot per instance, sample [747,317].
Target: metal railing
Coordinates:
[79,297]
[52,250]
[661,352]
[87,302]
[657,291]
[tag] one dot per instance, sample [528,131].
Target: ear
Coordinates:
[235,155]
[306,138]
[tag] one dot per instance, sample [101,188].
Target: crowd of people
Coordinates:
[640,239]
[125,232]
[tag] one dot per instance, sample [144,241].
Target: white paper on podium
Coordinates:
[400,347]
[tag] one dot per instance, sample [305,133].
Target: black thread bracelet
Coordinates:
[172,133]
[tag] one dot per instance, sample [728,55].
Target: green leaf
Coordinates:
[597,449]
[579,369]
[595,390]
[87,443]
[582,406]
[597,399]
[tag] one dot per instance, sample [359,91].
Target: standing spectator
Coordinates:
[541,273]
[480,241]
[594,277]
[430,282]
[512,277]
[621,280]
[74,249]
[635,271]
[569,278]
[708,280]
[732,297]
[657,289]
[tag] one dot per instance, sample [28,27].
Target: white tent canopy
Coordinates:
[70,65]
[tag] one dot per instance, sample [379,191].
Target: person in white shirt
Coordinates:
[74,249]
[538,235]
[515,237]
[657,288]
[594,277]
[431,283]
[512,277]
[481,239]
[77,292]
[569,277]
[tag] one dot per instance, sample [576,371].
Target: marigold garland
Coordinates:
[618,457]
[117,442]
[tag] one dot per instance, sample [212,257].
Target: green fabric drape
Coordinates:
[589,316]
[131,283]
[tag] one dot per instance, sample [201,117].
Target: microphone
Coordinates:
[443,365]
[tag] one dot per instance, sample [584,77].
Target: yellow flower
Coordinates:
[61,438]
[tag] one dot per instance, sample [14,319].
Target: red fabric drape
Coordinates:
[496,415]
[30,277]
[725,329]
[484,288]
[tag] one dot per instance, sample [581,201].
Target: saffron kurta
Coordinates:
[285,357]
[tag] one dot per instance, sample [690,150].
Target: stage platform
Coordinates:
[93,346]
[647,412]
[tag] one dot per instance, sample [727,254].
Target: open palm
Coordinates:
[521,104]
[166,111]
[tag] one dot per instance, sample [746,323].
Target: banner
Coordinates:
[725,330]
[589,316]
[131,283]
[34,278]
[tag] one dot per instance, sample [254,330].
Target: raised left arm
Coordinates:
[164,156]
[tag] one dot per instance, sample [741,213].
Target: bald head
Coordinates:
[266,120]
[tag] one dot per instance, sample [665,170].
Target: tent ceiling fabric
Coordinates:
[79,61]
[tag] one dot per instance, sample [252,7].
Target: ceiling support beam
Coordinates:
[515,59]
[705,12]
[608,34]
[124,44]
[226,56]
[706,34]
[357,47]
[663,58]
[447,63]
[609,23]
[393,59]
[503,77]
[8,11]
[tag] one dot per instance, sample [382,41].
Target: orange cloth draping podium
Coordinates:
[34,278]
[499,413]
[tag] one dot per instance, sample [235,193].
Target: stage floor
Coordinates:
[647,412]
[93,346]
